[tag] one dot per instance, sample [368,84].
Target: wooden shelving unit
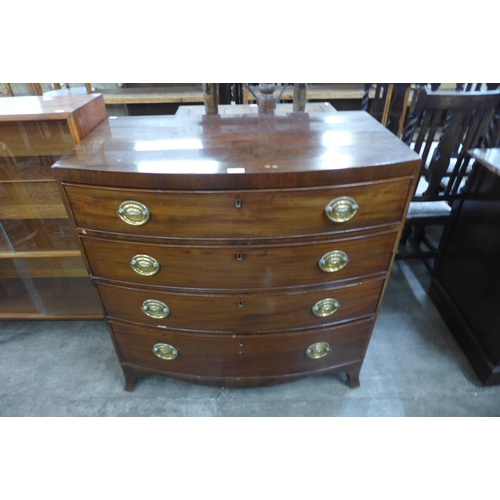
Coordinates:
[42,274]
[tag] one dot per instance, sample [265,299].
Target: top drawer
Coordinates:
[238,214]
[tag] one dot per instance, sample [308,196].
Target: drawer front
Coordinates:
[235,214]
[240,355]
[243,267]
[242,313]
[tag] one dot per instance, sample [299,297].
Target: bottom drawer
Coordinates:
[221,356]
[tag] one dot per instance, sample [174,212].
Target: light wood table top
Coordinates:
[490,158]
[252,109]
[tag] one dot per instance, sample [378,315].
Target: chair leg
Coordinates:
[419,234]
[404,235]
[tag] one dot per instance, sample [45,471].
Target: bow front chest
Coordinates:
[239,251]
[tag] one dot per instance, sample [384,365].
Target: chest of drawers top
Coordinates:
[237,152]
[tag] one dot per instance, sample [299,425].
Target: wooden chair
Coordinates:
[389,104]
[442,126]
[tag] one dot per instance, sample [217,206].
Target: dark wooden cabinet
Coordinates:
[466,285]
[239,251]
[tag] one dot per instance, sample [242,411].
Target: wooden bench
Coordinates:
[153,95]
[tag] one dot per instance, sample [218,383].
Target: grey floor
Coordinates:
[413,367]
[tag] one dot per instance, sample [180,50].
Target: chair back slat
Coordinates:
[423,130]
[447,145]
[437,116]
[381,102]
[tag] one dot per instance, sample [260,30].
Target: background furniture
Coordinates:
[122,98]
[265,97]
[252,109]
[466,284]
[41,89]
[42,275]
[239,251]
[148,99]
[441,127]
[30,89]
[388,103]
[316,92]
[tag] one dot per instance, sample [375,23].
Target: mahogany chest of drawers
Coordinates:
[239,251]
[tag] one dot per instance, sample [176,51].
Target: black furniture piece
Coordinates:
[466,284]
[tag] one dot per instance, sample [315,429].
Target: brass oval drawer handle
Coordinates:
[333,261]
[341,209]
[325,307]
[165,351]
[144,265]
[155,309]
[318,350]
[133,213]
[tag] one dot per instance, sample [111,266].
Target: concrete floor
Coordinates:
[413,367]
